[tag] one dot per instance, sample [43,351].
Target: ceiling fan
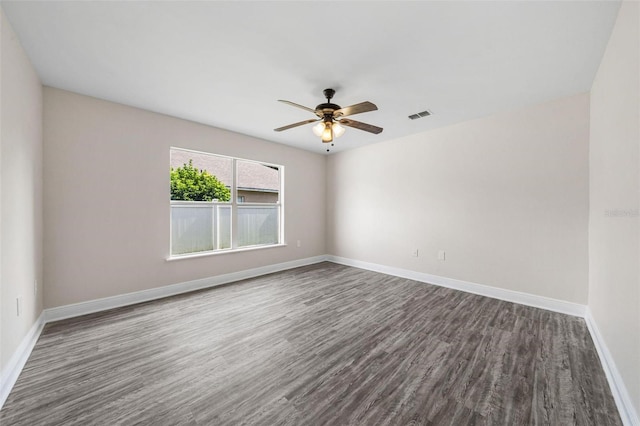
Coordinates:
[331,118]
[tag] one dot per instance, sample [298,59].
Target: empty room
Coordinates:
[320,212]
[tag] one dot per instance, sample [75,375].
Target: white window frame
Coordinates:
[234,210]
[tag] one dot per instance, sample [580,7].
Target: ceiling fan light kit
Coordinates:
[331,118]
[327,130]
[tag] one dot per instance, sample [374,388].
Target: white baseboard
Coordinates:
[15,365]
[618,389]
[469,287]
[91,306]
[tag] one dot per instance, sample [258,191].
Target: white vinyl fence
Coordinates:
[258,225]
[204,226]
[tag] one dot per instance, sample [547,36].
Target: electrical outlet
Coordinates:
[298,243]
[415,253]
[18,305]
[441,255]
[35,287]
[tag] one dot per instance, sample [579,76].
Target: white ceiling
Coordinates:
[226,63]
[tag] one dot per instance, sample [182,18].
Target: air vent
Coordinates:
[420,115]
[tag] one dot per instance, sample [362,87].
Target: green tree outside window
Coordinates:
[190,184]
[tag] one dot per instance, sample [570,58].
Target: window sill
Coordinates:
[220,252]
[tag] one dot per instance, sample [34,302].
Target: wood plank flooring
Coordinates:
[320,345]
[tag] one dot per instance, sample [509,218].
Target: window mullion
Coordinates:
[234,205]
[280,204]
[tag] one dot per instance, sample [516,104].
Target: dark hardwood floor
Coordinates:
[324,344]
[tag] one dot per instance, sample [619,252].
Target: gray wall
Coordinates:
[505,196]
[106,199]
[20,193]
[614,225]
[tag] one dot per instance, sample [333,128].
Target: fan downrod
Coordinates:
[328,93]
[326,109]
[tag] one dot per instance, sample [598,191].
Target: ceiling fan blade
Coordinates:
[300,123]
[298,106]
[360,126]
[355,109]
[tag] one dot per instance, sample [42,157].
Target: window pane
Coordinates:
[258,225]
[196,176]
[198,226]
[257,183]
[191,228]
[206,217]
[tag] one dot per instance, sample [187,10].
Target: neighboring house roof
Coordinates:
[251,176]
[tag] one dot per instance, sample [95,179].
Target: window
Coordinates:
[223,203]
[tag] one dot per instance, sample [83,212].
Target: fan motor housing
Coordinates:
[326,108]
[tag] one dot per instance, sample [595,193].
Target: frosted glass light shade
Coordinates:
[318,128]
[328,130]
